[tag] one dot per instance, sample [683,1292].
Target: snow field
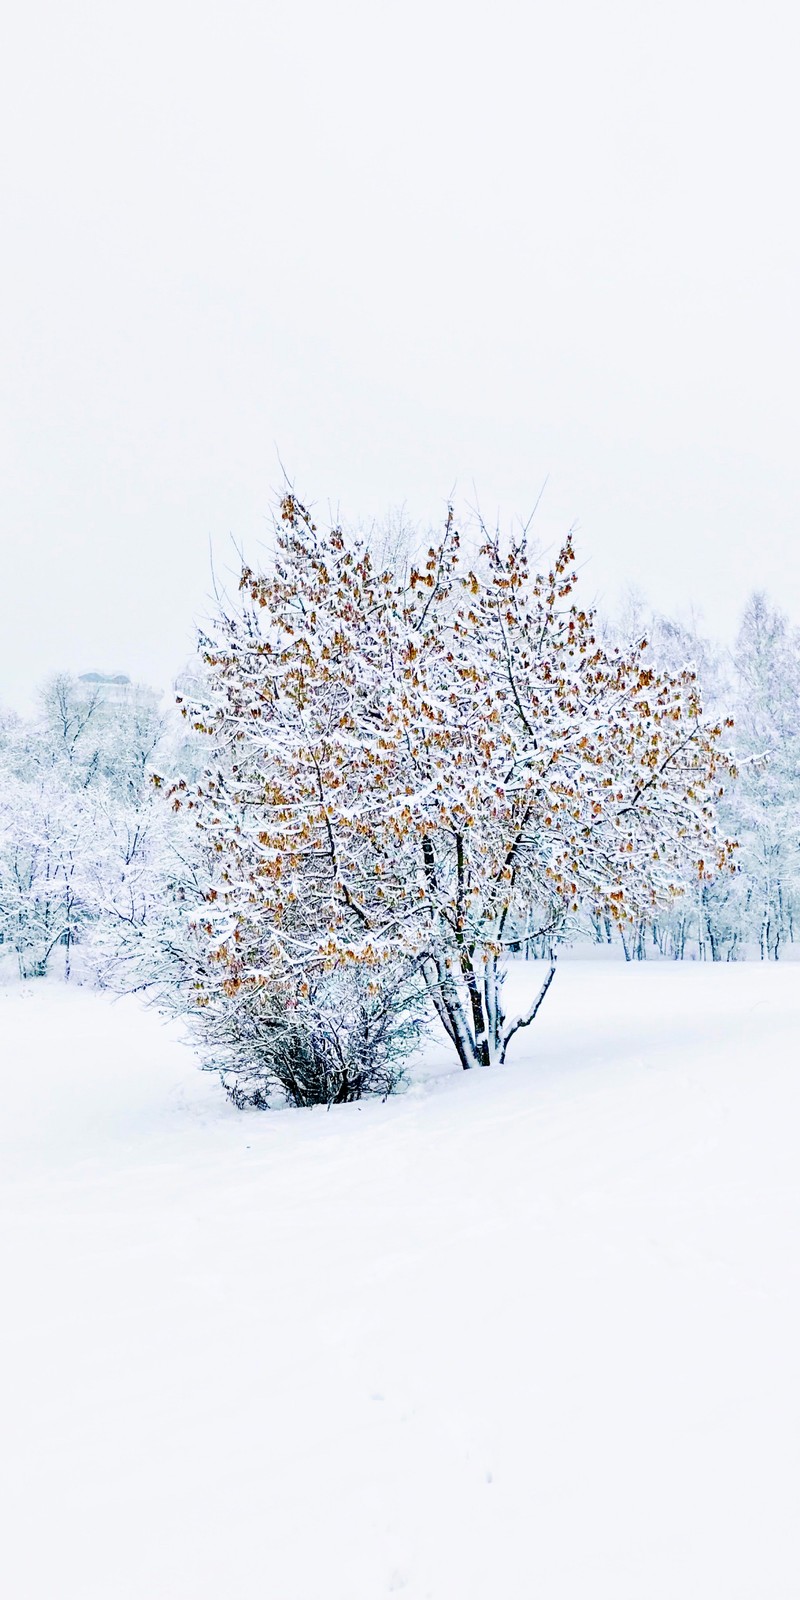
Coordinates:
[530,1332]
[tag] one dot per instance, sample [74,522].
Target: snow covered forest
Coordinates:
[245,849]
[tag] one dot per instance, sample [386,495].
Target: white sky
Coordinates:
[409,248]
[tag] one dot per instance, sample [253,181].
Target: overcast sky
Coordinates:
[409,249]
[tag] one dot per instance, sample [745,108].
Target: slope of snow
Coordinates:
[531,1332]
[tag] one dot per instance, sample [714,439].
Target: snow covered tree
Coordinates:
[45,838]
[765,806]
[408,771]
[705,921]
[76,815]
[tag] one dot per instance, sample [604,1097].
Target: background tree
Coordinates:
[766,802]
[75,813]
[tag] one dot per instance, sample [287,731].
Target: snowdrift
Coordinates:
[530,1332]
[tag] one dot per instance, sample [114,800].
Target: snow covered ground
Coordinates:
[533,1332]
